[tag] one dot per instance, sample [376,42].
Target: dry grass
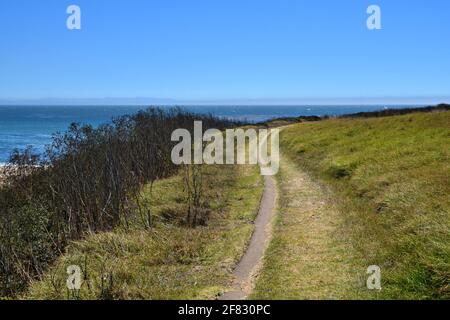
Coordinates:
[390,180]
[171,261]
[308,257]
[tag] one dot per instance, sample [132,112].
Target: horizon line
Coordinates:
[105,101]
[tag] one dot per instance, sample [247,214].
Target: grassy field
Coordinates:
[352,193]
[389,182]
[308,258]
[169,261]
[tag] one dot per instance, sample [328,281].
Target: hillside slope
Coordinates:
[170,260]
[389,180]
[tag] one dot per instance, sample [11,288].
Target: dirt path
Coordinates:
[251,261]
[309,256]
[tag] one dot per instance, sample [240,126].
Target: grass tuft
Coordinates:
[391,182]
[170,260]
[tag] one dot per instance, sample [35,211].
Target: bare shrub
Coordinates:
[88,180]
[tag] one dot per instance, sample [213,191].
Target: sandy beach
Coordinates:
[2,174]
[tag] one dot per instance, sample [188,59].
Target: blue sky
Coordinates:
[224,50]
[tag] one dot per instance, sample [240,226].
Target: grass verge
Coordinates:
[390,180]
[309,257]
[170,260]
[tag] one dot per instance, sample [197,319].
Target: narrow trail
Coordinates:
[251,261]
[309,257]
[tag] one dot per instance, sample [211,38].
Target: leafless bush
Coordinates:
[193,178]
[87,181]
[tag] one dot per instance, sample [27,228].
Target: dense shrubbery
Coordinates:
[87,181]
[398,112]
[370,114]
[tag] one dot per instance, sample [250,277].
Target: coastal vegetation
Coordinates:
[170,260]
[383,200]
[354,191]
[88,181]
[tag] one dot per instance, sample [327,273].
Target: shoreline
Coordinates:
[39,136]
[2,173]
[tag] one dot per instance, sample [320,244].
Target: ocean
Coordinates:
[21,126]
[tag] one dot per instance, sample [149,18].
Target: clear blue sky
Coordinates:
[224,49]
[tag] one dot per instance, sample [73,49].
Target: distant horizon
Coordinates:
[167,102]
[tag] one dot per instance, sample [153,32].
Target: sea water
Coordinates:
[21,126]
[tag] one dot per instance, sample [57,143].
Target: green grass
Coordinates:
[353,193]
[170,261]
[307,258]
[390,178]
